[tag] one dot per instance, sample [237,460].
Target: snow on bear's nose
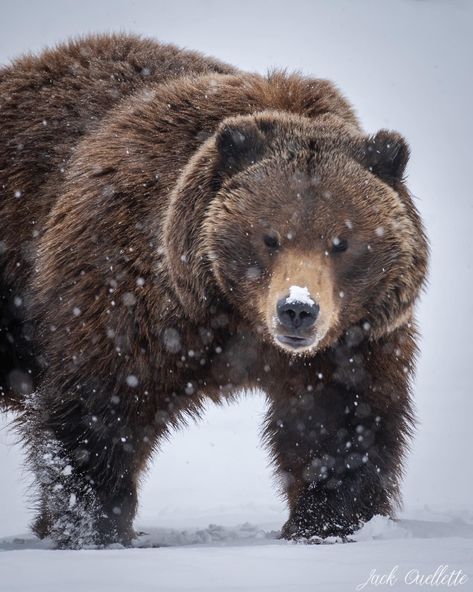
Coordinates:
[297,311]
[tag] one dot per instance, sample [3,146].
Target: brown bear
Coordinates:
[174,229]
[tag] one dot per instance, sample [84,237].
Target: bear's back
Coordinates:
[47,104]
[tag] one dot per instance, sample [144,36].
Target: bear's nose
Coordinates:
[297,314]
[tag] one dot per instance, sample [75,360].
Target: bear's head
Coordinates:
[303,227]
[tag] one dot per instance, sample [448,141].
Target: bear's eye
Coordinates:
[271,241]
[339,245]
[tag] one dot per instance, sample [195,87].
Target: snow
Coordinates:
[299,294]
[404,66]
[244,558]
[132,380]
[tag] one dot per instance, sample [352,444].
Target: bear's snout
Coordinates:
[296,319]
[296,315]
[300,307]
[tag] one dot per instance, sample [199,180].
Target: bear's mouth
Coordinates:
[295,341]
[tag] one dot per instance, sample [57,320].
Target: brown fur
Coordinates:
[138,183]
[308,269]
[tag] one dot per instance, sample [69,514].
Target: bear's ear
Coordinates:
[239,145]
[386,155]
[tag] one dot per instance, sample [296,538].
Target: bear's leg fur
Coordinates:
[338,446]
[87,453]
[18,366]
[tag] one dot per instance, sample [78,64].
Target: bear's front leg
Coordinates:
[87,451]
[337,446]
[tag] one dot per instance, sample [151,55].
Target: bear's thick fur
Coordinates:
[174,229]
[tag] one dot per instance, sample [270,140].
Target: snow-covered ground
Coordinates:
[243,559]
[209,507]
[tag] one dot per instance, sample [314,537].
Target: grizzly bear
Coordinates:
[175,230]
